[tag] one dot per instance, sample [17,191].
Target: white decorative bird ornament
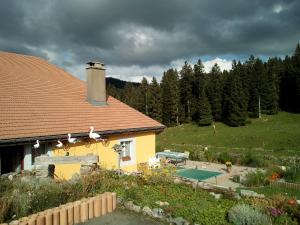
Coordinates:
[71,140]
[37,144]
[93,135]
[60,144]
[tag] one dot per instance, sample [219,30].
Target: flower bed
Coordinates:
[23,196]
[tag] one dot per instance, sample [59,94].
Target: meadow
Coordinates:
[272,136]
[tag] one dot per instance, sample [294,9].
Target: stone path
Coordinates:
[123,217]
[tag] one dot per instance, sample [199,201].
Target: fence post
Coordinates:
[114,200]
[77,217]
[70,213]
[91,208]
[103,204]
[97,206]
[109,202]
[84,211]
[56,216]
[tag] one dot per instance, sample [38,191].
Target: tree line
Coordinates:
[191,94]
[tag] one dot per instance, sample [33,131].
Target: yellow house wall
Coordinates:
[144,149]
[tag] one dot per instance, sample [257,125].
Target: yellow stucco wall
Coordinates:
[144,145]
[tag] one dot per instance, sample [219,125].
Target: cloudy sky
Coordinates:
[138,38]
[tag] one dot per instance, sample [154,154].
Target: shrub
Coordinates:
[210,156]
[293,211]
[292,174]
[252,160]
[224,157]
[255,179]
[284,220]
[247,215]
[132,194]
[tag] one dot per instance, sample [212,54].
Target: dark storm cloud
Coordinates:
[147,32]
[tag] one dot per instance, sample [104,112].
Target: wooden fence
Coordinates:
[73,212]
[291,186]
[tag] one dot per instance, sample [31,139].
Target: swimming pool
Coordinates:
[197,174]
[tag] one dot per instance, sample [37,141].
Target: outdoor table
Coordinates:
[175,157]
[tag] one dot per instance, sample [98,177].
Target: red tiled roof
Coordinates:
[40,99]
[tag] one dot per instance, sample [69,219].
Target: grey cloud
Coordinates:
[146,33]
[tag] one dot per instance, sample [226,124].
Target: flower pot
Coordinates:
[126,158]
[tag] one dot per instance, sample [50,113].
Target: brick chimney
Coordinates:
[95,83]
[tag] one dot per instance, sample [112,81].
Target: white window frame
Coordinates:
[132,160]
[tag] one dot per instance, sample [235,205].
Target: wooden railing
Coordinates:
[292,186]
[73,212]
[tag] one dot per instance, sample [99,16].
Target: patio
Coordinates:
[224,179]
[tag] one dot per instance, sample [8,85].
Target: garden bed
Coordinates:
[26,195]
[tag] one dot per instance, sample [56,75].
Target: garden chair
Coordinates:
[187,153]
[154,163]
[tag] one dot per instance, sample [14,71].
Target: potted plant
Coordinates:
[228,166]
[126,158]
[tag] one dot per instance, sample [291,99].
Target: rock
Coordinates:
[136,208]
[178,221]
[160,203]
[147,211]
[129,205]
[218,196]
[237,196]
[195,184]
[120,201]
[157,213]
[248,193]
[177,181]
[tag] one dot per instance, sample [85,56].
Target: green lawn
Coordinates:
[277,135]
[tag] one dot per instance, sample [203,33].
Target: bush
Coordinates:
[252,160]
[247,215]
[30,195]
[284,220]
[292,174]
[255,179]
[210,156]
[293,211]
[224,157]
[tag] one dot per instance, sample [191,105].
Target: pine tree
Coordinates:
[154,100]
[204,110]
[113,91]
[235,107]
[170,98]
[130,95]
[296,71]
[256,72]
[270,102]
[215,92]
[142,98]
[186,91]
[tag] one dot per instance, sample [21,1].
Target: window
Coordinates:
[127,148]
[129,152]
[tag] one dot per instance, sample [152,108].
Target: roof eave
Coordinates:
[49,138]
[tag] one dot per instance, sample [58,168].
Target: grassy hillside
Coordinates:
[277,135]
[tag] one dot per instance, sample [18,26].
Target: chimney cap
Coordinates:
[95,64]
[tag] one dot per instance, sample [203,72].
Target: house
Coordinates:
[39,101]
